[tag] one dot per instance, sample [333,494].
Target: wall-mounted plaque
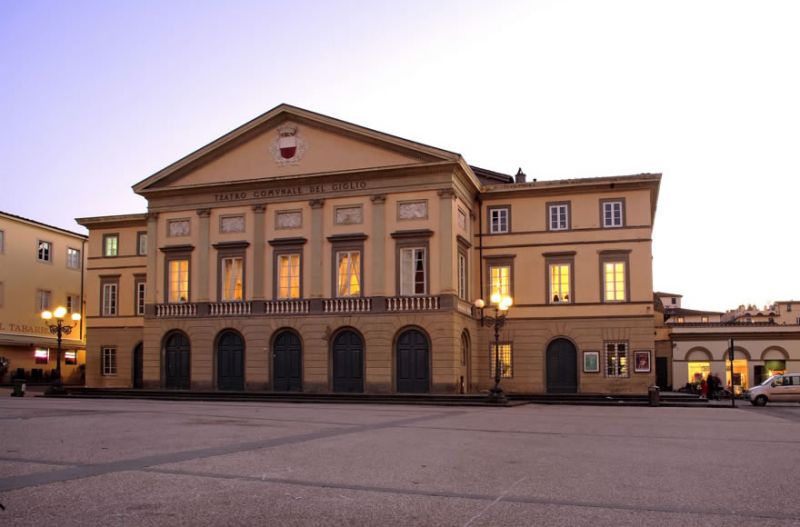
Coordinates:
[412,210]
[228,224]
[288,219]
[178,227]
[349,215]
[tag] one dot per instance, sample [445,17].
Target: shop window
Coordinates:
[108,361]
[617,359]
[505,360]
[697,371]
[41,356]
[70,358]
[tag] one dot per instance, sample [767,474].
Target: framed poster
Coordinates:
[641,361]
[591,362]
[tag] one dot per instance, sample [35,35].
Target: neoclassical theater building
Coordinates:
[303,253]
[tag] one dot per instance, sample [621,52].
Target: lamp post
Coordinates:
[501,305]
[59,328]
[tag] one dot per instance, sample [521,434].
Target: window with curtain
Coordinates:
[559,283]
[348,273]
[500,280]
[288,276]
[412,271]
[178,290]
[232,288]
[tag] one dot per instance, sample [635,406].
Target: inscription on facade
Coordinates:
[298,190]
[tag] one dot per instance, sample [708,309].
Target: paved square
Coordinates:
[100,462]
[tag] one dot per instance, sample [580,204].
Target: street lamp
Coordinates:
[59,328]
[501,304]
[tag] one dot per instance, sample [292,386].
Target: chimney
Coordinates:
[520,177]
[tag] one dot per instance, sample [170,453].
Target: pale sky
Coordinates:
[97,95]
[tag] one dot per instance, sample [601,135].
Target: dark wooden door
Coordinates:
[662,376]
[348,363]
[230,361]
[138,366]
[562,367]
[287,363]
[413,363]
[177,355]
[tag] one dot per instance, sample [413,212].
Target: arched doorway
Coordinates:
[230,361]
[287,362]
[138,366]
[413,362]
[348,362]
[562,367]
[177,355]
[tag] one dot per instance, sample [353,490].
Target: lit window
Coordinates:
[612,214]
[109,300]
[108,361]
[232,279]
[288,276]
[73,258]
[111,245]
[505,359]
[178,290]
[680,320]
[558,216]
[71,357]
[616,359]
[500,280]
[704,320]
[614,281]
[348,273]
[43,253]
[141,243]
[412,271]
[560,283]
[498,220]
[140,296]
[42,300]
[41,356]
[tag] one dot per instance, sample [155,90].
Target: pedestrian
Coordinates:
[712,386]
[703,388]
[718,385]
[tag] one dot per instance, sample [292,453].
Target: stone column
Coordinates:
[258,251]
[378,245]
[201,278]
[447,241]
[317,243]
[151,289]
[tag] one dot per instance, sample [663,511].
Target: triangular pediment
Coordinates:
[286,142]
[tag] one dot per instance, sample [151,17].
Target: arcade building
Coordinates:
[303,253]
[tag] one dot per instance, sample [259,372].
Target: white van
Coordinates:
[777,388]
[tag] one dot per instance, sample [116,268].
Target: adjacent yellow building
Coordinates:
[41,267]
[303,253]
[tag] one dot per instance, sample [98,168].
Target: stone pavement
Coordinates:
[129,462]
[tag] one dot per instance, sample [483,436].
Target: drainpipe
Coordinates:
[84,258]
[480,244]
